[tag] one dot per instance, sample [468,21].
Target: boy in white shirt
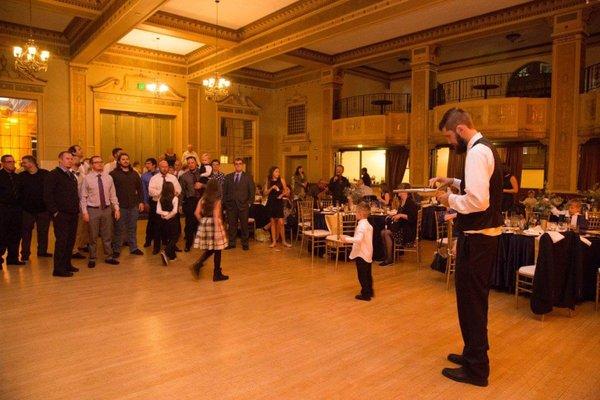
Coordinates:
[362,251]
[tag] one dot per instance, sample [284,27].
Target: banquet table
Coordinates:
[378,223]
[259,213]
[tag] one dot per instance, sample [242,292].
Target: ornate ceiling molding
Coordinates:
[509,16]
[147,54]
[75,28]
[188,27]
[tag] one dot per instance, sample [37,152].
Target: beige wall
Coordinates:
[357,85]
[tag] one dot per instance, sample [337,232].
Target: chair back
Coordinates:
[348,224]
[333,222]
[326,203]
[305,214]
[441,229]
[419,223]
[593,220]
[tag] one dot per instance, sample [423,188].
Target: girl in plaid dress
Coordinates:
[211,235]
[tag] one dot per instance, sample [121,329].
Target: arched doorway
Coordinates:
[533,79]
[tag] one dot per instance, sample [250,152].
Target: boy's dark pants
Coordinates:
[363,270]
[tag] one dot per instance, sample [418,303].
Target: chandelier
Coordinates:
[31,60]
[216,87]
[157,87]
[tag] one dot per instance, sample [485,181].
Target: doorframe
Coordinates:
[255,133]
[285,155]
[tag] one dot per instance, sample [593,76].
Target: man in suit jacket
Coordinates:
[62,201]
[238,196]
[10,211]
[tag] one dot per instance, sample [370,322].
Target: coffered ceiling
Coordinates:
[282,38]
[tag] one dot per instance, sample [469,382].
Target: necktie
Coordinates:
[101,190]
[237,178]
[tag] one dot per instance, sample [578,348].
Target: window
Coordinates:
[296,119]
[354,160]
[18,127]
[533,173]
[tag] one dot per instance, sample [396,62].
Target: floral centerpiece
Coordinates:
[592,197]
[353,194]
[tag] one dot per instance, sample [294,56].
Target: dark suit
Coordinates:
[237,198]
[62,201]
[11,215]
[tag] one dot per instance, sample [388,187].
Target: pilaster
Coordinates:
[331,88]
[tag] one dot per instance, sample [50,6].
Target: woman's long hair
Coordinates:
[271,171]
[166,196]
[211,193]
[297,172]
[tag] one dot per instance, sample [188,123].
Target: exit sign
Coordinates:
[141,86]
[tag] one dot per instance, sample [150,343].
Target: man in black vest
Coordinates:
[62,201]
[478,224]
[11,213]
[238,196]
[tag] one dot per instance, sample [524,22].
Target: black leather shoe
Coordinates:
[78,256]
[62,274]
[246,247]
[220,277]
[112,261]
[45,255]
[229,247]
[195,269]
[456,359]
[137,252]
[91,264]
[72,269]
[385,263]
[361,297]
[17,262]
[461,375]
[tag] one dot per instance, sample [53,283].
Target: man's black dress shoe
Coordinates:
[62,274]
[246,247]
[72,269]
[385,263]
[91,264]
[220,277]
[361,297]
[112,261]
[456,359]
[229,247]
[44,255]
[137,252]
[78,256]
[461,375]
[17,262]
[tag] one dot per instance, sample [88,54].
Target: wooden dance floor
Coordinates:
[280,328]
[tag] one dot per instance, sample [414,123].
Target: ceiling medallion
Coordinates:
[216,87]
[32,59]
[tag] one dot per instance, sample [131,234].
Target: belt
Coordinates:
[96,207]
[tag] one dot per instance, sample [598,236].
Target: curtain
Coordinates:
[589,165]
[514,161]
[397,157]
[456,165]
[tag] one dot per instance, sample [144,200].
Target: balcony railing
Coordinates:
[592,78]
[371,104]
[495,85]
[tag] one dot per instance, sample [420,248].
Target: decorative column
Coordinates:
[568,59]
[331,87]
[424,64]
[193,113]
[77,94]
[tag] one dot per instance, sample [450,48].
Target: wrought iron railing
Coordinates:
[371,104]
[592,78]
[495,85]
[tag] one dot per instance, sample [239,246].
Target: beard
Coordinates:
[461,146]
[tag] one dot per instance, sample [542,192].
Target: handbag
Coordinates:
[439,262]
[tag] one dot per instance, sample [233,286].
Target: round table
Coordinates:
[382,103]
[485,87]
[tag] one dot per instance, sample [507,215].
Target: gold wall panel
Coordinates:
[589,115]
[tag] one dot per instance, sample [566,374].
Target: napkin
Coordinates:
[534,231]
[584,240]
[555,236]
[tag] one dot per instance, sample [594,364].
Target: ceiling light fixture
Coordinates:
[216,87]
[32,60]
[157,87]
[513,37]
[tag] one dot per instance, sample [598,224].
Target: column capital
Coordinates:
[424,56]
[332,76]
[571,24]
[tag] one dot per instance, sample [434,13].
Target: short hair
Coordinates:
[94,157]
[121,155]
[116,150]
[239,159]
[4,157]
[192,157]
[573,202]
[364,207]
[216,161]
[454,117]
[340,165]
[151,160]
[31,159]
[404,185]
[62,153]
[73,149]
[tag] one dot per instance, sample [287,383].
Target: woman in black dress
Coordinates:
[402,227]
[276,190]
[386,196]
[510,187]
